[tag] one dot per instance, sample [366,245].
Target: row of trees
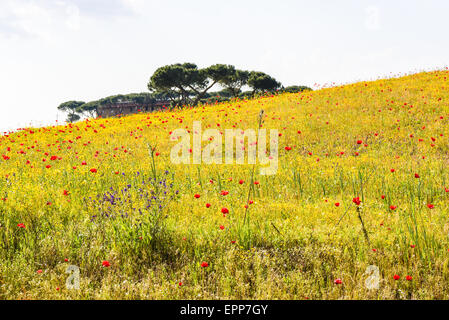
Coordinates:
[186,84]
[76,109]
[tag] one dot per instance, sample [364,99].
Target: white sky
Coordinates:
[52,51]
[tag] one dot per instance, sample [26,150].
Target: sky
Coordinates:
[53,51]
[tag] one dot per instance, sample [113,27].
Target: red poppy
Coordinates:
[204,264]
[409,278]
[338,281]
[337,204]
[430,206]
[106,264]
[392,208]
[197,196]
[21,225]
[208,205]
[224,210]
[396,277]
[357,201]
[241,181]
[93,170]
[416,176]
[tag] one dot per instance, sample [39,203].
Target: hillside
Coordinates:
[362,181]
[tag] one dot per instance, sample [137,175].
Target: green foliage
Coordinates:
[261,82]
[179,82]
[235,81]
[186,84]
[295,89]
[70,106]
[72,117]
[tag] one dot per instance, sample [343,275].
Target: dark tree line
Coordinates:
[186,84]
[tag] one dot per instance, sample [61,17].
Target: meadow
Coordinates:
[358,208]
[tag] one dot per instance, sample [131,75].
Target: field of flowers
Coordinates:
[359,208]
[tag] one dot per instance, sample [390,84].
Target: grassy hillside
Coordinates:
[89,194]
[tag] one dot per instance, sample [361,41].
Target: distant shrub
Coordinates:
[295,89]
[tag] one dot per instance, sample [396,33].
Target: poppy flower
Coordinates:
[106,264]
[409,278]
[65,192]
[224,193]
[430,206]
[21,225]
[359,141]
[338,281]
[197,196]
[241,182]
[222,227]
[224,210]
[396,277]
[392,208]
[208,205]
[93,170]
[357,201]
[337,204]
[204,264]
[416,176]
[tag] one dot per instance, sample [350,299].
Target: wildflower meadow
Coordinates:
[358,207]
